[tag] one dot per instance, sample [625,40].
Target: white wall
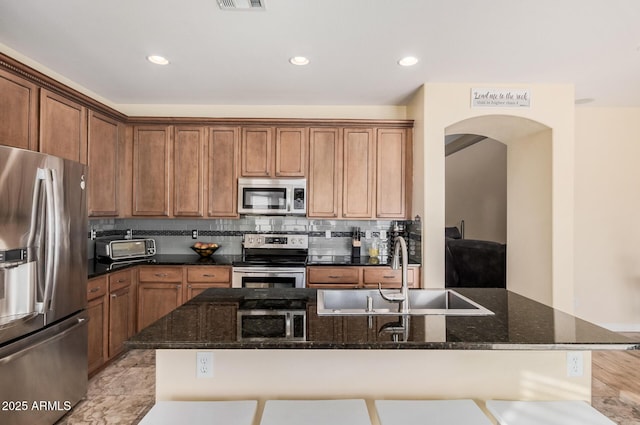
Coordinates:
[607,235]
[476,190]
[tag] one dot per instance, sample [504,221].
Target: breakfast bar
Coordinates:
[520,352]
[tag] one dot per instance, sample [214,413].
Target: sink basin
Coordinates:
[422,302]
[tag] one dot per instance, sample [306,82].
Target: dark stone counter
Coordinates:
[96,267]
[209,321]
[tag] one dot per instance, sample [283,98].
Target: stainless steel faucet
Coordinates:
[402,298]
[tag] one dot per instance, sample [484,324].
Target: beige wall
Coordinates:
[607,251]
[371,374]
[476,190]
[447,110]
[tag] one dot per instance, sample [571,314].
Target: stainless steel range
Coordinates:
[271,261]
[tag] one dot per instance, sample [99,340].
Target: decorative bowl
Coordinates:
[206,252]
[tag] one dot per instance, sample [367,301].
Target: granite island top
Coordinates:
[209,321]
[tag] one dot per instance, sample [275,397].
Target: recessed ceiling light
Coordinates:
[408,61]
[299,60]
[158,60]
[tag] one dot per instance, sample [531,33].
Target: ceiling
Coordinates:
[241,57]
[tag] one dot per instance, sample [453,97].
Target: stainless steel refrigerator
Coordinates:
[43,286]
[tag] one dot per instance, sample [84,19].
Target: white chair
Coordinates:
[201,413]
[315,412]
[546,413]
[425,412]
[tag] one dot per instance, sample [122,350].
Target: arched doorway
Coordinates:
[529,199]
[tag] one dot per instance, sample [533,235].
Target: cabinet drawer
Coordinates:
[382,275]
[96,287]
[160,274]
[388,277]
[119,280]
[210,274]
[334,275]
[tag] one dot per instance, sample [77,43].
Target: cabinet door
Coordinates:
[98,312]
[257,155]
[222,165]
[188,172]
[359,168]
[119,318]
[291,152]
[102,196]
[325,173]
[63,127]
[151,166]
[155,300]
[393,174]
[18,112]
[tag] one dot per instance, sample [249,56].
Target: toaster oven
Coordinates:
[123,249]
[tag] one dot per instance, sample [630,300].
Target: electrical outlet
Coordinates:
[129,234]
[327,234]
[194,234]
[204,364]
[367,234]
[93,234]
[575,363]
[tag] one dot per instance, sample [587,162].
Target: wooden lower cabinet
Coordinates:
[121,311]
[350,277]
[201,278]
[98,312]
[162,289]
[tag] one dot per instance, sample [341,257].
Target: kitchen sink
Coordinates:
[422,302]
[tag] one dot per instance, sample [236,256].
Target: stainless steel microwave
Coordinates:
[272,196]
[121,249]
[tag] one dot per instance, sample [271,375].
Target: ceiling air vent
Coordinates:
[241,4]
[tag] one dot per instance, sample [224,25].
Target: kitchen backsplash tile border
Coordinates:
[173,236]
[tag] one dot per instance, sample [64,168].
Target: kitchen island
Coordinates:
[519,352]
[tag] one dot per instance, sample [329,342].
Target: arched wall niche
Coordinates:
[529,215]
[445,108]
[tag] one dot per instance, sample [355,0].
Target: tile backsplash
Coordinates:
[173,236]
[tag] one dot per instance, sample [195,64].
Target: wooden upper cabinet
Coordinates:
[291,147]
[222,164]
[359,169]
[188,171]
[102,196]
[393,173]
[257,152]
[18,112]
[325,173]
[63,127]
[151,170]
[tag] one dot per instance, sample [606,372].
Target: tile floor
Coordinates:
[124,391]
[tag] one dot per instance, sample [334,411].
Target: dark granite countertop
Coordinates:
[209,321]
[96,267]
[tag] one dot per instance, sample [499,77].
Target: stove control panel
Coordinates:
[257,240]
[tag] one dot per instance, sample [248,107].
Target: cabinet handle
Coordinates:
[122,280]
[114,295]
[334,277]
[161,275]
[177,286]
[189,286]
[209,275]
[389,277]
[94,289]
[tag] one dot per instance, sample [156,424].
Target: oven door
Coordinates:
[268,277]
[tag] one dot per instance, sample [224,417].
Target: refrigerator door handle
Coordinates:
[50,239]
